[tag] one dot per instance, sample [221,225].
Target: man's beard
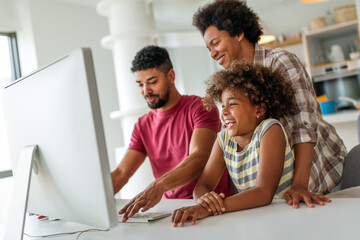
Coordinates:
[160,102]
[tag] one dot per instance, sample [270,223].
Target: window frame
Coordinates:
[14,54]
[16,73]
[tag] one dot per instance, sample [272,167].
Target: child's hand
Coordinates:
[195,212]
[213,202]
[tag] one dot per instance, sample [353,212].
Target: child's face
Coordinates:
[237,113]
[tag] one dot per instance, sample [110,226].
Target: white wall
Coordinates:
[48,30]
[25,37]
[192,66]
[58,28]
[8,17]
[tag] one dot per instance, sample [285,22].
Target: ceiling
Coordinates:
[175,15]
[84,2]
[253,3]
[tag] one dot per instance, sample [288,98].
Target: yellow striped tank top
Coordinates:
[243,166]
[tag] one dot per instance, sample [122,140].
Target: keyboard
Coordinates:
[145,217]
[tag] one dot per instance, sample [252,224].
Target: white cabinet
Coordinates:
[320,46]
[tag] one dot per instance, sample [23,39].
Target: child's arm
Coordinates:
[210,177]
[271,163]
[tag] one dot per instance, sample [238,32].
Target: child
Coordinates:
[253,146]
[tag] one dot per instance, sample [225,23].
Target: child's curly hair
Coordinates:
[259,84]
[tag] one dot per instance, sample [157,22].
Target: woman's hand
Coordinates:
[213,202]
[195,212]
[294,196]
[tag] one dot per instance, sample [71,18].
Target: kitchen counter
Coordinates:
[345,123]
[342,116]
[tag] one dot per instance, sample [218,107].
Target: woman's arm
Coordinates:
[304,127]
[304,154]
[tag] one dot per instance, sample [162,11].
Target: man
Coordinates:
[177,136]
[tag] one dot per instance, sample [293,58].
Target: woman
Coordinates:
[231,31]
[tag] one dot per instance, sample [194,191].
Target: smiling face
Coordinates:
[239,116]
[155,86]
[223,47]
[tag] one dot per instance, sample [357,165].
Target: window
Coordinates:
[9,71]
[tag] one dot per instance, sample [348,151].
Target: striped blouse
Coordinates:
[243,166]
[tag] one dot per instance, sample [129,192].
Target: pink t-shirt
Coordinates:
[165,138]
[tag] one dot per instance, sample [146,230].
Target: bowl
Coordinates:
[328,107]
[354,55]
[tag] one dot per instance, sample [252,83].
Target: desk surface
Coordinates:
[337,220]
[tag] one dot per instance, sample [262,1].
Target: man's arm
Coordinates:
[191,167]
[304,154]
[127,167]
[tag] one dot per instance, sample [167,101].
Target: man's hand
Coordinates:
[145,200]
[294,196]
[213,202]
[195,212]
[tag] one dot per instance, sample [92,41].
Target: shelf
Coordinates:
[332,28]
[324,65]
[284,43]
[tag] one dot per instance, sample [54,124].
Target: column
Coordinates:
[131,28]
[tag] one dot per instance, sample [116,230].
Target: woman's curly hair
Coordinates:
[234,16]
[258,83]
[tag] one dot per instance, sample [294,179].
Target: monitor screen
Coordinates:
[57,108]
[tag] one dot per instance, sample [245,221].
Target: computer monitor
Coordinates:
[56,108]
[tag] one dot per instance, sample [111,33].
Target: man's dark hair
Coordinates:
[152,57]
[234,16]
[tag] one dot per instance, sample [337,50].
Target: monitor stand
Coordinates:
[14,229]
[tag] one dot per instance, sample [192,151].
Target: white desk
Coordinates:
[337,220]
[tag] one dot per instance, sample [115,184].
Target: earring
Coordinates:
[257,117]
